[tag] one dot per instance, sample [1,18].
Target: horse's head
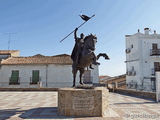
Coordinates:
[90,41]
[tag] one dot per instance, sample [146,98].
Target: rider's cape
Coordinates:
[74,51]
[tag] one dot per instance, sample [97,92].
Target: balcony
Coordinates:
[155,52]
[153,71]
[35,80]
[131,73]
[14,81]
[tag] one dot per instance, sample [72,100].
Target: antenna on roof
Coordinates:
[150,30]
[9,40]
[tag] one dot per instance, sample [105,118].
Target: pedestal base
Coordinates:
[83,102]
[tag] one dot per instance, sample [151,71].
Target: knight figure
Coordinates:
[78,47]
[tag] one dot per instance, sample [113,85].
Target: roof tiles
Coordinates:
[38,59]
[8,51]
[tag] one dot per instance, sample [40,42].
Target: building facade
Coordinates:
[41,71]
[142,60]
[4,54]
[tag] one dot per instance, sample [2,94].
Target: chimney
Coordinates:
[146,31]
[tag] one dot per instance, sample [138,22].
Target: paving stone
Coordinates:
[43,105]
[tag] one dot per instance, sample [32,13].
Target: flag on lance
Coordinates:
[85,18]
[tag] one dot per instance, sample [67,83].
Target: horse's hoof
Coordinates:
[91,68]
[82,83]
[73,86]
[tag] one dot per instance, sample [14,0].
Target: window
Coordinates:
[154,46]
[157,66]
[35,77]
[14,79]
[131,46]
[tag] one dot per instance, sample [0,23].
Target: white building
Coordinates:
[49,71]
[4,54]
[142,60]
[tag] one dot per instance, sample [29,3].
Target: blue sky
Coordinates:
[41,24]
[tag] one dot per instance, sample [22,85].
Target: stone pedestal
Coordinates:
[83,102]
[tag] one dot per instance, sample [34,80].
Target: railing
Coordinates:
[154,52]
[135,86]
[42,84]
[121,84]
[131,73]
[14,83]
[153,71]
[18,85]
[33,82]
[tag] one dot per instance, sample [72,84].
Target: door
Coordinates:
[14,77]
[35,76]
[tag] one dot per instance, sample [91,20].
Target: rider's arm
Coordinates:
[75,34]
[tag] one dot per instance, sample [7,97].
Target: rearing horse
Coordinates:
[86,57]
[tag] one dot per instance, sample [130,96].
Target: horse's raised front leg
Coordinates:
[103,55]
[80,76]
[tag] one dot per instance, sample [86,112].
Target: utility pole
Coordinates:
[9,40]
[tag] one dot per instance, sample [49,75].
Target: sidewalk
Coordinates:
[43,105]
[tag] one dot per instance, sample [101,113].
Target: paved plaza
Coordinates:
[43,105]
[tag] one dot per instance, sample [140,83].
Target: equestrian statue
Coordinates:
[83,54]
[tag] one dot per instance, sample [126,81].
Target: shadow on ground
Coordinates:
[35,113]
[137,103]
[7,113]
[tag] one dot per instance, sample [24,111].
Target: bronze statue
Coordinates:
[78,46]
[83,54]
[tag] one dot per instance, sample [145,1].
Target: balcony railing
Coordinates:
[153,71]
[14,83]
[34,82]
[137,87]
[155,52]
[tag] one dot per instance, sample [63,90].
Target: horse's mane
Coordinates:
[88,37]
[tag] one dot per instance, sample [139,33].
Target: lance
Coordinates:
[85,18]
